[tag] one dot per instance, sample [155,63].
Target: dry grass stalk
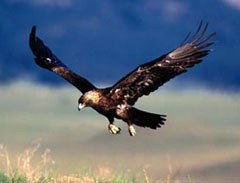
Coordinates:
[27,165]
[5,160]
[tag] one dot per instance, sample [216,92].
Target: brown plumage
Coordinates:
[117,101]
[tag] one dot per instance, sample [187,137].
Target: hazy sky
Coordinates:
[104,40]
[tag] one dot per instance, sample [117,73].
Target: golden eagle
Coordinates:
[117,101]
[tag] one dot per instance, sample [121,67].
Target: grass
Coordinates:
[27,168]
[200,138]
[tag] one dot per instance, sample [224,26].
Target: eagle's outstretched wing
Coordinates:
[148,77]
[46,59]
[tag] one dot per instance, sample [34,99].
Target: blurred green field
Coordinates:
[201,138]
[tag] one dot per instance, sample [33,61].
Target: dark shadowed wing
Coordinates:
[149,76]
[46,59]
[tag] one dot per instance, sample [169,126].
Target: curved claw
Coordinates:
[114,129]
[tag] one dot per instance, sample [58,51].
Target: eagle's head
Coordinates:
[89,99]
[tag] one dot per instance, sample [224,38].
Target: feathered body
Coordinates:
[117,101]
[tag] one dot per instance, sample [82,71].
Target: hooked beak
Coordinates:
[81,106]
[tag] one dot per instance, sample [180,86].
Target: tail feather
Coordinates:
[146,119]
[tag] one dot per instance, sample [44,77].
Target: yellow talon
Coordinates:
[132,130]
[114,129]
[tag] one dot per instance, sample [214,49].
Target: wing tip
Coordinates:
[34,27]
[32,37]
[33,31]
[198,37]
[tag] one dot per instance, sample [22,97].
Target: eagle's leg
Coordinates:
[113,128]
[131,129]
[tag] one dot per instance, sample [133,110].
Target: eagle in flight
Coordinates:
[117,101]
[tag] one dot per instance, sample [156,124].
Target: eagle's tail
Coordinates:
[146,119]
